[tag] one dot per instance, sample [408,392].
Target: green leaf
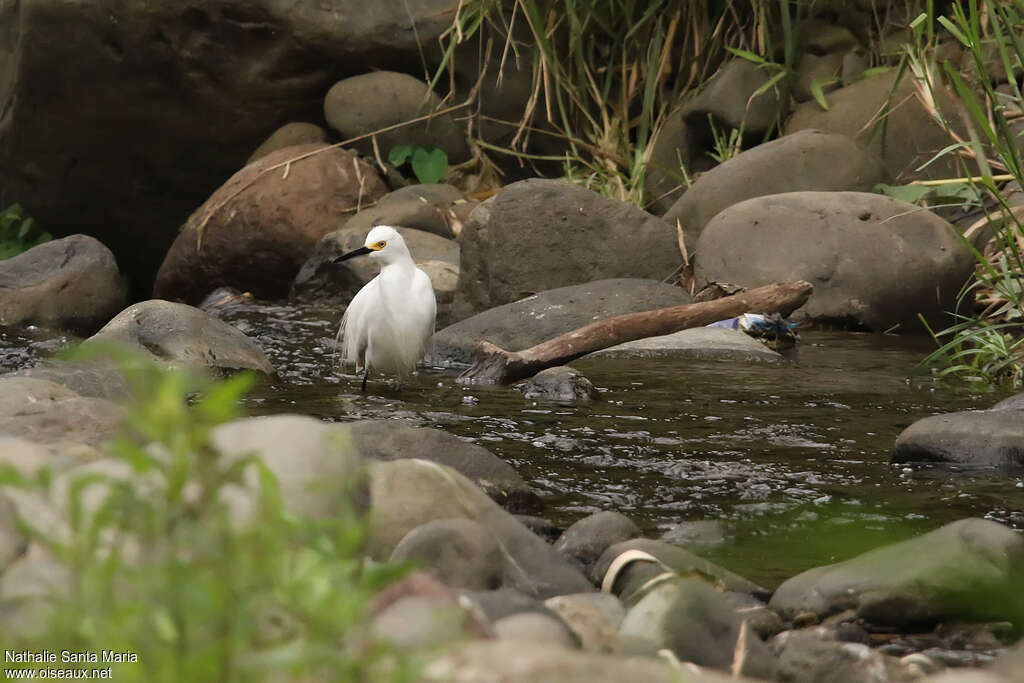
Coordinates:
[430,164]
[399,154]
[749,56]
[957,33]
[819,94]
[907,193]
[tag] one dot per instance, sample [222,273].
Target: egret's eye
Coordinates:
[381,244]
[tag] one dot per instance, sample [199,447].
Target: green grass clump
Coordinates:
[19,232]
[986,345]
[160,565]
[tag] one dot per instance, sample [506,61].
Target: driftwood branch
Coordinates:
[493,365]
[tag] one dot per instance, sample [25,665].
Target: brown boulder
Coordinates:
[259,240]
[905,139]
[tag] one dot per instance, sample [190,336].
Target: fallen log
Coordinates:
[494,365]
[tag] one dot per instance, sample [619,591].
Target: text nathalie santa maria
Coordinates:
[70,656]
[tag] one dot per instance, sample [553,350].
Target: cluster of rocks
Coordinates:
[492,598]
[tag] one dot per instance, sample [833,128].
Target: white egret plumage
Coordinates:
[389,322]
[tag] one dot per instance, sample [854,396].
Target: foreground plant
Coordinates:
[175,560]
[987,343]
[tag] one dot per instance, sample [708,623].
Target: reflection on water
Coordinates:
[792,459]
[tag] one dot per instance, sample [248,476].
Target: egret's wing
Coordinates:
[426,308]
[352,333]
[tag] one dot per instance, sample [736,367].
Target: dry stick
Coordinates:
[387,129]
[493,365]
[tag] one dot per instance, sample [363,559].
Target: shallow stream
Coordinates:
[766,469]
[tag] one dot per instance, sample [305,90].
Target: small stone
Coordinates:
[559,384]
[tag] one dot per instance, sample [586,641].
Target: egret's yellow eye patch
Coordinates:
[377,246]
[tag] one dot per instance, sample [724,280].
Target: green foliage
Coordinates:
[726,145]
[608,75]
[987,343]
[429,164]
[952,193]
[191,561]
[18,232]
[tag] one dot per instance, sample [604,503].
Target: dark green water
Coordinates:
[789,461]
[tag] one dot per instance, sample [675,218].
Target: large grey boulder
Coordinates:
[697,343]
[873,260]
[393,440]
[362,104]
[256,230]
[972,437]
[408,493]
[541,234]
[968,570]
[47,413]
[319,472]
[805,160]
[182,334]
[174,97]
[905,138]
[71,283]
[547,314]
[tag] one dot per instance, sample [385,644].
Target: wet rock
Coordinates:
[503,602]
[693,620]
[288,135]
[436,208]
[363,104]
[805,160]
[593,617]
[756,614]
[635,574]
[182,334]
[696,343]
[534,627]
[96,378]
[319,474]
[545,315]
[1015,402]
[728,99]
[489,661]
[541,234]
[587,539]
[178,96]
[422,622]
[459,553]
[408,493]
[259,239]
[48,413]
[559,384]
[71,283]
[873,260]
[968,570]
[804,657]
[392,440]
[704,532]
[974,437]
[910,136]
[541,526]
[324,282]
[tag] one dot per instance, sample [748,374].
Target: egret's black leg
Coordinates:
[366,376]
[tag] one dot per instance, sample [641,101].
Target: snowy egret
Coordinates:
[389,321]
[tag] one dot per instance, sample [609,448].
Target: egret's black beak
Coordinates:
[355,252]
